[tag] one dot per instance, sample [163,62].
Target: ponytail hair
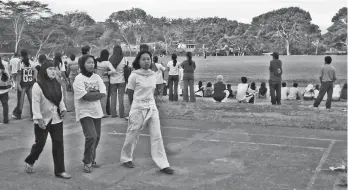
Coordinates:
[174,57]
[189,57]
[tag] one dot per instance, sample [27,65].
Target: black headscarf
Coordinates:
[50,87]
[117,56]
[82,65]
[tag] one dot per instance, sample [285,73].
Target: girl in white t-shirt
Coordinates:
[89,89]
[144,113]
[159,79]
[242,89]
[173,78]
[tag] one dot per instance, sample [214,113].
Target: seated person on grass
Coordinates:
[200,91]
[294,93]
[230,91]
[343,96]
[308,93]
[220,93]
[284,91]
[251,93]
[336,94]
[242,89]
[263,91]
[208,90]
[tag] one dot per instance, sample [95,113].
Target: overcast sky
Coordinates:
[241,10]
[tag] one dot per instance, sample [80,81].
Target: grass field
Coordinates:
[300,69]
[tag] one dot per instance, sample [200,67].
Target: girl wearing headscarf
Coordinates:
[104,69]
[144,113]
[89,89]
[48,114]
[117,81]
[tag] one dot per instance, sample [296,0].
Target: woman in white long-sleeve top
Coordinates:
[48,114]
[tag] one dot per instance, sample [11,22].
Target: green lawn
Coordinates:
[300,69]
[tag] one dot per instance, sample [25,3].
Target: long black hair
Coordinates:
[25,57]
[189,57]
[58,60]
[174,57]
[136,62]
[200,84]
[253,86]
[1,65]
[104,55]
[117,56]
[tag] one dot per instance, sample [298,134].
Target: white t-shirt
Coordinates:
[143,83]
[14,65]
[293,93]
[284,93]
[159,73]
[241,91]
[316,93]
[173,70]
[336,91]
[83,85]
[118,77]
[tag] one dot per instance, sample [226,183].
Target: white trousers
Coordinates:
[138,119]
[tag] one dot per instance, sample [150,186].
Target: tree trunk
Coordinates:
[316,49]
[287,47]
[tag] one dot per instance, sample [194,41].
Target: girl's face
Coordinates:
[145,61]
[51,72]
[89,65]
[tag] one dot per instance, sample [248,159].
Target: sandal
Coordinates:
[95,165]
[167,170]
[87,169]
[128,164]
[29,168]
[63,175]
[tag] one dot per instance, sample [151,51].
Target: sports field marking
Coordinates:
[320,165]
[252,134]
[216,140]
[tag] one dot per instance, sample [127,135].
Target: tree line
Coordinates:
[32,25]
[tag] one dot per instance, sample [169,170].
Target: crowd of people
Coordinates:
[97,83]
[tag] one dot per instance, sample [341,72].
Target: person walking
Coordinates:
[189,67]
[5,87]
[275,80]
[49,111]
[104,70]
[327,77]
[117,82]
[89,89]
[144,113]
[173,78]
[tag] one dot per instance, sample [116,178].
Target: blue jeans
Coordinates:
[189,82]
[18,110]
[173,81]
[117,89]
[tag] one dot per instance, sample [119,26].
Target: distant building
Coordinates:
[188,45]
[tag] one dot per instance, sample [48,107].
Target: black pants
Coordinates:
[326,87]
[91,129]
[56,132]
[4,102]
[275,92]
[173,82]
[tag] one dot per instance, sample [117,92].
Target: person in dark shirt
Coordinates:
[208,90]
[189,67]
[263,91]
[42,59]
[220,92]
[229,88]
[275,79]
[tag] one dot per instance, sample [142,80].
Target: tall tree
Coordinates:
[337,32]
[288,24]
[20,14]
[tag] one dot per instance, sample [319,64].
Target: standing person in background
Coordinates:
[327,77]
[173,78]
[25,80]
[61,76]
[5,86]
[49,111]
[104,69]
[117,81]
[275,80]
[189,67]
[14,63]
[144,113]
[159,79]
[72,69]
[85,50]
[42,59]
[89,89]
